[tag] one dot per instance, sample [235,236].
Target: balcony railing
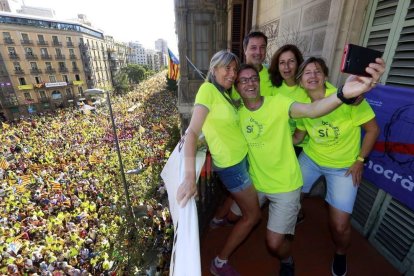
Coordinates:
[31,56]
[26,42]
[69,43]
[63,70]
[46,56]
[50,71]
[9,103]
[60,57]
[56,43]
[72,56]
[42,43]
[8,40]
[14,56]
[75,69]
[35,71]
[44,99]
[18,71]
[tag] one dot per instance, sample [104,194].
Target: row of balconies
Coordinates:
[36,71]
[43,56]
[9,40]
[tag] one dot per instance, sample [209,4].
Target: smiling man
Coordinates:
[273,165]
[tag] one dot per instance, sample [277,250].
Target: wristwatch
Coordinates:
[340,96]
[362,159]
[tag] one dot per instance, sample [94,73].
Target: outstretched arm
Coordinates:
[188,187]
[372,131]
[354,86]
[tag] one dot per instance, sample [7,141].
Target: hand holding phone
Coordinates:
[356,58]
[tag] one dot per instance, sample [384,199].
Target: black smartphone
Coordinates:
[356,58]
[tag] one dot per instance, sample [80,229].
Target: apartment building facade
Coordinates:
[47,64]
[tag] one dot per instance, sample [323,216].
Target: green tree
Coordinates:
[135,72]
[121,83]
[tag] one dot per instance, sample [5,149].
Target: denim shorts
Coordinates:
[235,178]
[340,190]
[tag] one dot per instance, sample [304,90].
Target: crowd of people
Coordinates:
[61,199]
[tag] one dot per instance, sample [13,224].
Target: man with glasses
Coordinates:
[273,165]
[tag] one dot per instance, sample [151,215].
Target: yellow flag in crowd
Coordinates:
[5,126]
[4,164]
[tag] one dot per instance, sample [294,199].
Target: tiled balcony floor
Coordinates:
[312,249]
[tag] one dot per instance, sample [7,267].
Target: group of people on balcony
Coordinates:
[252,144]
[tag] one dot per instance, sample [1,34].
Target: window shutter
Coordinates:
[401,71]
[394,233]
[236,31]
[390,30]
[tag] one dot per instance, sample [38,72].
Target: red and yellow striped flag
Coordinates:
[56,186]
[20,189]
[25,179]
[4,164]
[173,66]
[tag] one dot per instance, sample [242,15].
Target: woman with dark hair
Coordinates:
[334,151]
[283,67]
[216,116]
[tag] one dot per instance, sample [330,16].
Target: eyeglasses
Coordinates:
[253,79]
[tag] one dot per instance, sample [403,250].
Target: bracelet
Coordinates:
[359,158]
[340,96]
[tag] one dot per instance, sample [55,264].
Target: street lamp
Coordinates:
[100,92]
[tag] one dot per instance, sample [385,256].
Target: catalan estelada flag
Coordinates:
[173,66]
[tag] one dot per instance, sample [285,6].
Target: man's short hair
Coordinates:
[251,35]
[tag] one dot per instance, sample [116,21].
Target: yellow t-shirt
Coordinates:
[273,165]
[336,137]
[298,94]
[221,127]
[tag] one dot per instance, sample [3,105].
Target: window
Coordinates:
[58,51]
[55,39]
[65,78]
[71,52]
[41,38]
[44,52]
[48,65]
[29,51]
[25,37]
[74,65]
[62,64]
[17,66]
[68,92]
[38,80]
[27,96]
[42,94]
[68,39]
[52,78]
[80,90]
[56,95]
[77,77]
[6,35]
[22,81]
[12,51]
[81,40]
[33,65]
[390,30]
